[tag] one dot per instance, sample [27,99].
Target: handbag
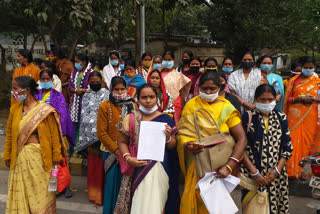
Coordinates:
[217,148]
[64,178]
[127,169]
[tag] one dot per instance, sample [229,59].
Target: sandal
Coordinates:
[67,193]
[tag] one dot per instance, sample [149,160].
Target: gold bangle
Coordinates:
[229,167]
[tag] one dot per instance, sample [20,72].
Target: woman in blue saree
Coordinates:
[154,186]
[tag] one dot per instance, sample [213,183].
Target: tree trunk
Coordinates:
[164,29]
[3,59]
[35,39]
[75,40]
[137,20]
[25,41]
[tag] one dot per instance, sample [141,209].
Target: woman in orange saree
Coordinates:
[301,106]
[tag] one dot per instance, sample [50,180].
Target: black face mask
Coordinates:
[194,69]
[95,86]
[223,86]
[186,61]
[247,65]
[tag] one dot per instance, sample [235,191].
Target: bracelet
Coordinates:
[235,159]
[169,139]
[127,158]
[292,101]
[256,175]
[229,167]
[125,154]
[277,170]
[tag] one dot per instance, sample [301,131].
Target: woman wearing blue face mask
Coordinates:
[176,83]
[227,68]
[56,82]
[113,68]
[269,148]
[275,80]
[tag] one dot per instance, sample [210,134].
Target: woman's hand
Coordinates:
[117,153]
[167,132]
[78,91]
[223,172]
[194,148]
[132,161]
[271,176]
[8,163]
[261,181]
[251,106]
[308,99]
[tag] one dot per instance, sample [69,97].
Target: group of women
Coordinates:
[102,123]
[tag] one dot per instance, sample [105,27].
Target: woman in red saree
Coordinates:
[301,106]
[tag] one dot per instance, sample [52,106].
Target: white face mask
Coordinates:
[209,97]
[266,108]
[146,111]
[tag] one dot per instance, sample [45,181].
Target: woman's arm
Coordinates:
[243,102]
[8,141]
[56,141]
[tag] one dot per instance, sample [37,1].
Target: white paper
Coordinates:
[215,193]
[152,141]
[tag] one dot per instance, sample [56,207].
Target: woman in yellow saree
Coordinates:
[33,146]
[228,119]
[301,106]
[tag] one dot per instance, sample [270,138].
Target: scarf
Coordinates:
[125,101]
[136,81]
[194,77]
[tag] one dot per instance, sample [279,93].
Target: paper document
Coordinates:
[152,141]
[215,193]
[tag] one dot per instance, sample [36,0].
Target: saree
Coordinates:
[302,121]
[227,117]
[28,180]
[133,83]
[276,79]
[65,69]
[194,82]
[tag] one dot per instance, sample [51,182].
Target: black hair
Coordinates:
[145,54]
[307,59]
[95,74]
[295,65]
[27,82]
[247,52]
[146,85]
[190,54]
[221,74]
[210,75]
[155,70]
[261,89]
[92,60]
[210,59]
[37,61]
[59,53]
[26,54]
[168,52]
[266,56]
[51,65]
[130,62]
[114,53]
[117,80]
[83,57]
[196,58]
[46,71]
[226,58]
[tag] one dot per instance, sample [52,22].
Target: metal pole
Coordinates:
[142,27]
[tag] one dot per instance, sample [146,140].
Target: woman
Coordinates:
[33,147]
[211,64]
[109,115]
[176,83]
[146,61]
[301,105]
[133,80]
[194,74]
[164,100]
[222,93]
[186,58]
[156,63]
[122,63]
[269,148]
[78,86]
[244,81]
[25,68]
[112,69]
[227,68]
[229,120]
[88,136]
[162,177]
[275,80]
[56,82]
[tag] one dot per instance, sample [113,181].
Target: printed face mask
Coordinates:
[17,96]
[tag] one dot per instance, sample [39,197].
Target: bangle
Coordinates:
[169,139]
[277,170]
[257,174]
[235,159]
[127,158]
[229,167]
[125,154]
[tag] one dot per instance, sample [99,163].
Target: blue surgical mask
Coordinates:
[156,66]
[114,62]
[146,111]
[18,64]
[167,64]
[266,68]
[78,66]
[121,67]
[307,72]
[227,70]
[17,96]
[46,85]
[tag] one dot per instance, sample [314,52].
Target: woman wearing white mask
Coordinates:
[113,68]
[162,177]
[229,120]
[269,148]
[177,84]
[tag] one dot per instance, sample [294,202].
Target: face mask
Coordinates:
[130,74]
[167,64]
[209,97]
[247,65]
[114,62]
[307,72]
[266,68]
[186,61]
[156,66]
[95,86]
[146,64]
[210,69]
[227,70]
[120,97]
[18,64]
[194,69]
[19,97]
[46,85]
[78,66]
[121,67]
[146,111]
[266,108]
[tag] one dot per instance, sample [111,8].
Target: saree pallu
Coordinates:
[272,79]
